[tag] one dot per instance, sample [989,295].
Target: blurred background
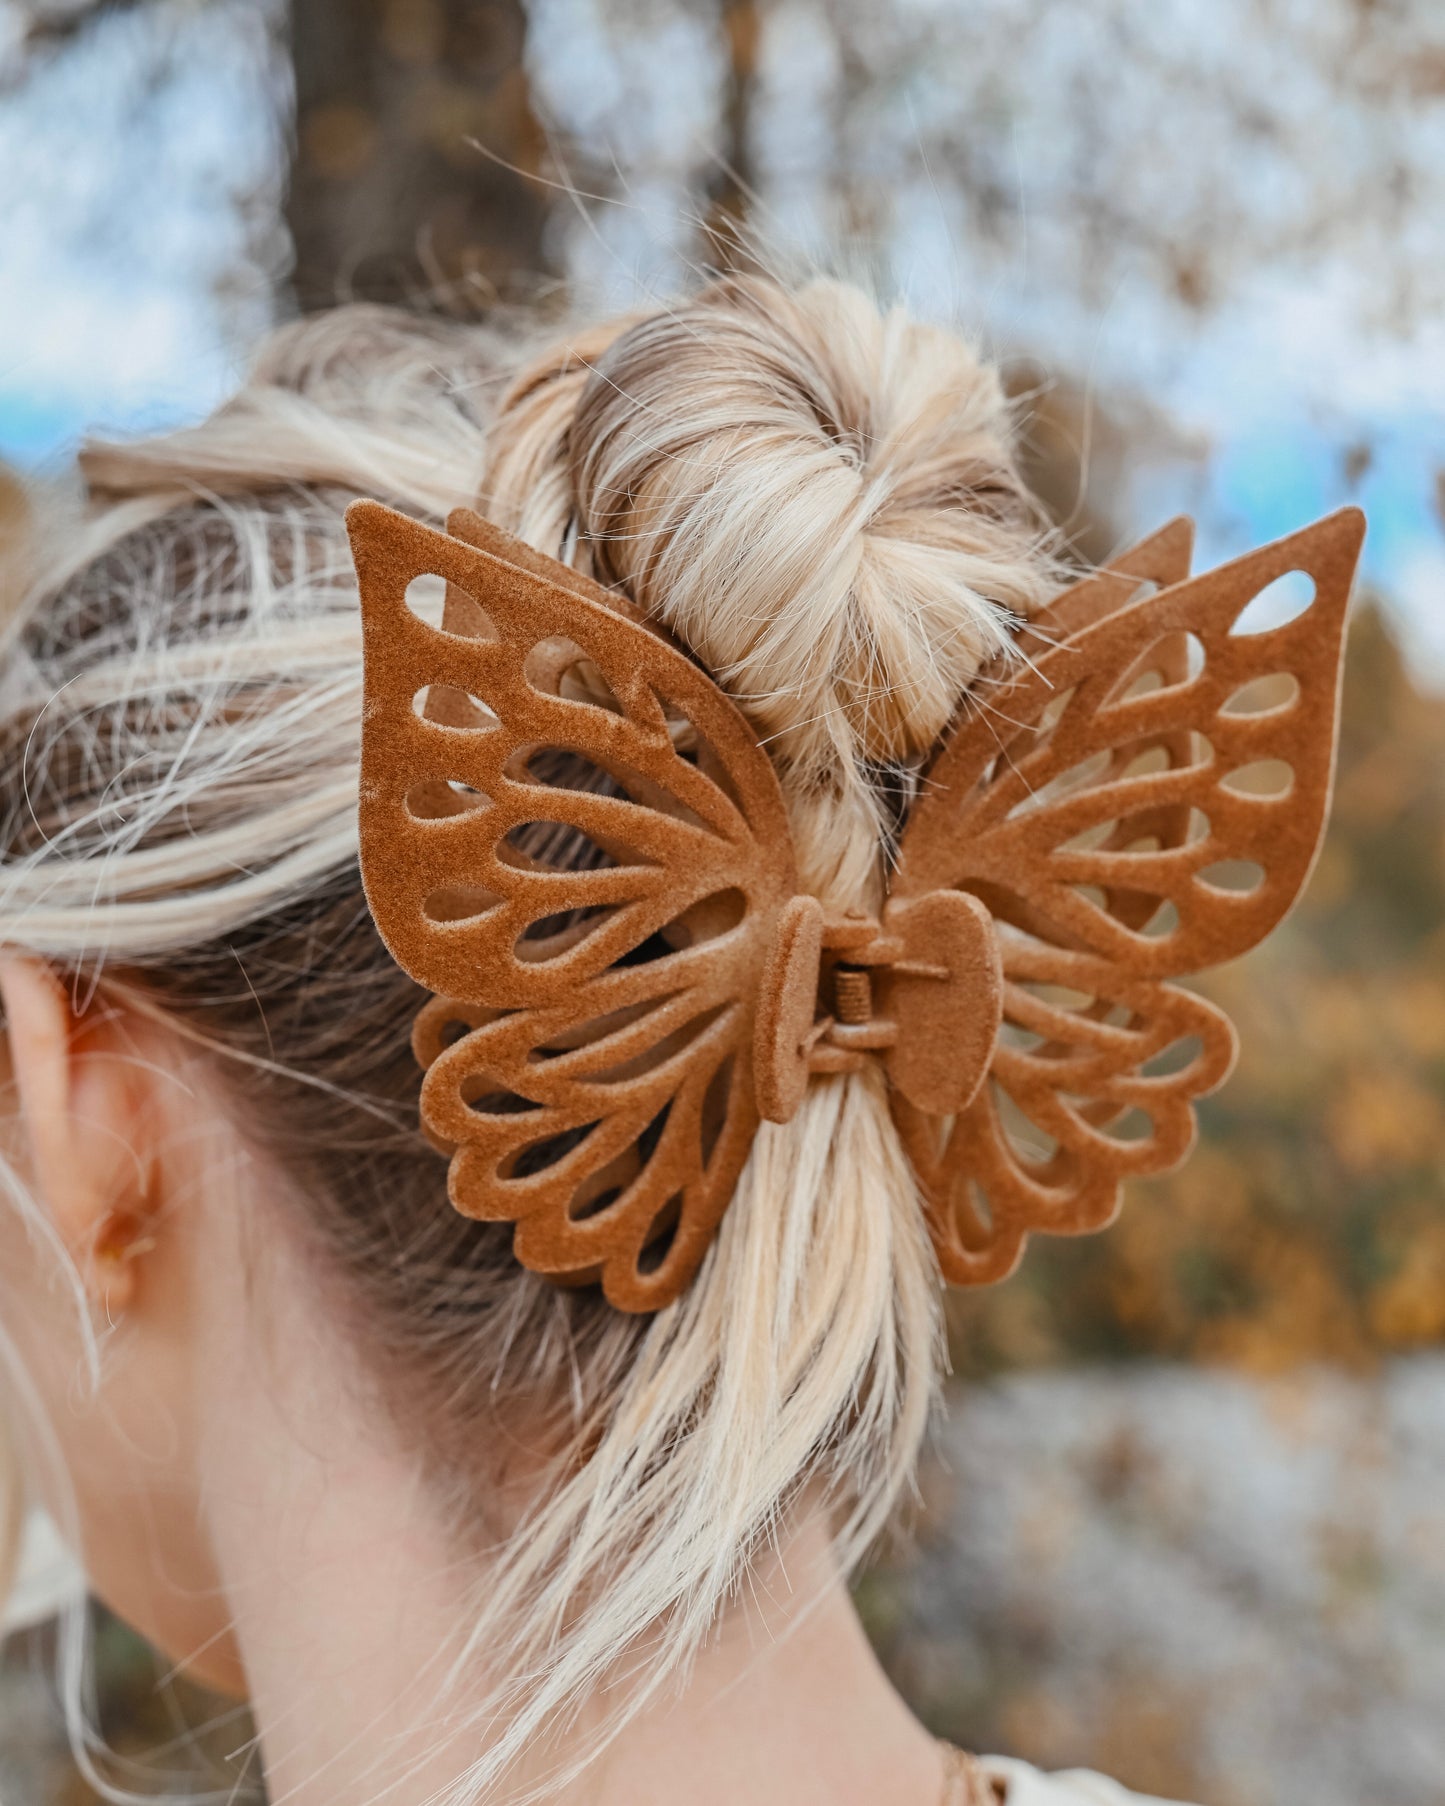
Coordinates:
[1187,1519]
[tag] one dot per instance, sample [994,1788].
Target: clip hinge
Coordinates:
[932,1025]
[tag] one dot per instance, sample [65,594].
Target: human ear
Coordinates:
[83,1108]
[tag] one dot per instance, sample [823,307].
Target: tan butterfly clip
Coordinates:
[570,835]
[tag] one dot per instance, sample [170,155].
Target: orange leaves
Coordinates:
[1384,1120]
[1407,1309]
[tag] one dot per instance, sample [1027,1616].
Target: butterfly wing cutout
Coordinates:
[1143,799]
[570,836]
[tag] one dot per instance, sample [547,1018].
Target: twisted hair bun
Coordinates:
[820,498]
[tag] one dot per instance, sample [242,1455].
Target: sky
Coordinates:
[138,164]
[1225,223]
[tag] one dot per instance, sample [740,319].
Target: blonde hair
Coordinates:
[821,499]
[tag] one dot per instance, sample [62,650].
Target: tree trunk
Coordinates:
[415,141]
[730,192]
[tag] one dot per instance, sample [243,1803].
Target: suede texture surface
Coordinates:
[570,835]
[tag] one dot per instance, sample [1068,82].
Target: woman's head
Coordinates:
[212,1098]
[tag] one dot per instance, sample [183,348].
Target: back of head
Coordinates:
[820,500]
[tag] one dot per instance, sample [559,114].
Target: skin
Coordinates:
[243,1502]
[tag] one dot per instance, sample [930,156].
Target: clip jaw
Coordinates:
[923,989]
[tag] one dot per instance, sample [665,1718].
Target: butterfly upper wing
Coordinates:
[1100,804]
[1084,739]
[600,1094]
[1159,561]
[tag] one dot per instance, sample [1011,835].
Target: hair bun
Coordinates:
[821,499]
[818,497]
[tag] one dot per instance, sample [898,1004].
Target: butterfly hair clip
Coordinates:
[571,837]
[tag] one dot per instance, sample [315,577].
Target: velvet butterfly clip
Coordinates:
[571,837]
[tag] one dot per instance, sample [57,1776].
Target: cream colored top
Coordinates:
[1025,1786]
[1004,1781]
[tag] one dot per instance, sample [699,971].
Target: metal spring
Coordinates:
[852,994]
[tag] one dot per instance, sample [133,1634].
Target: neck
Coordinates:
[345,1586]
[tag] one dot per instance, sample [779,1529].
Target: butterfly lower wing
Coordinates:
[1093,1081]
[568,834]
[610,1130]
[1099,806]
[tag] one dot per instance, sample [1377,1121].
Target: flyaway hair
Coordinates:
[815,504]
